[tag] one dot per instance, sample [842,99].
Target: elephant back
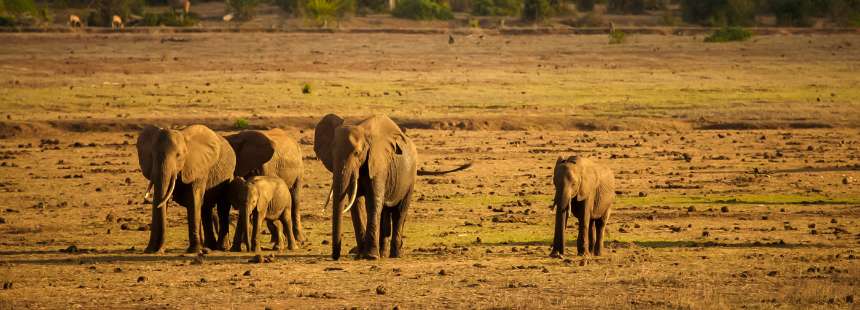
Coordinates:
[286,161]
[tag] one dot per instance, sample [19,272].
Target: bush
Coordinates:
[241,123]
[324,10]
[590,19]
[792,12]
[728,34]
[585,5]
[306,88]
[844,12]
[719,12]
[616,37]
[422,10]
[242,9]
[290,6]
[536,10]
[625,6]
[496,7]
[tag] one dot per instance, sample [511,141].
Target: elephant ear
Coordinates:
[146,149]
[324,139]
[587,181]
[383,150]
[203,152]
[253,149]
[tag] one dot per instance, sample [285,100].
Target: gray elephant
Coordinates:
[262,197]
[587,190]
[376,161]
[193,166]
[271,153]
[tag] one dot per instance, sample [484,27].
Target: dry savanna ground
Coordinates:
[737,168]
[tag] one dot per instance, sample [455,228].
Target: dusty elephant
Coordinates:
[203,163]
[271,153]
[376,161]
[262,198]
[586,189]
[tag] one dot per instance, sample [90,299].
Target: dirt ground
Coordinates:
[737,168]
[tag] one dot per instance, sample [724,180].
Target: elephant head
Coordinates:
[569,183]
[167,155]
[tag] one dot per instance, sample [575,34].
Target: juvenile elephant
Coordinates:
[376,161]
[262,197]
[271,153]
[589,190]
[203,162]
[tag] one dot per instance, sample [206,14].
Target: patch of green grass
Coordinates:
[422,10]
[241,123]
[616,37]
[306,88]
[752,199]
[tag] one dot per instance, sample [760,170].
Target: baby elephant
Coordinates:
[586,189]
[263,197]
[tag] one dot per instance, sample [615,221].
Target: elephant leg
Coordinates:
[558,237]
[276,238]
[208,223]
[598,242]
[279,247]
[286,223]
[374,209]
[384,230]
[591,236]
[223,225]
[582,237]
[358,214]
[195,239]
[157,230]
[297,230]
[256,232]
[398,220]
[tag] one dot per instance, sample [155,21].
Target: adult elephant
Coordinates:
[587,190]
[202,162]
[376,161]
[270,153]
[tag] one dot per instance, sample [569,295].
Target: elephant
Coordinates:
[263,197]
[376,161]
[589,190]
[271,153]
[203,163]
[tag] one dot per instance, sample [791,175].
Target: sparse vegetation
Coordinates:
[169,19]
[106,9]
[242,9]
[729,34]
[241,123]
[306,88]
[625,6]
[616,37]
[536,10]
[497,7]
[719,12]
[422,10]
[585,5]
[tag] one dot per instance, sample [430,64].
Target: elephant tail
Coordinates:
[431,173]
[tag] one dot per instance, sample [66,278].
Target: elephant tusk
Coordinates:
[354,193]
[169,194]
[147,195]
[330,193]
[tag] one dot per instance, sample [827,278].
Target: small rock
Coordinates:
[833,221]
[380,290]
[70,249]
[324,242]
[643,194]
[724,209]
[773,273]
[813,232]
[706,234]
[849,299]
[442,272]
[691,209]
[117,269]
[7,285]
[141,279]
[247,273]
[583,263]
[2,220]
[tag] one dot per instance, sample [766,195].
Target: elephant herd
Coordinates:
[374,167]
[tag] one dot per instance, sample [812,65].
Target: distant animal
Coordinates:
[75,21]
[611,27]
[262,198]
[450,39]
[116,22]
[587,190]
[185,5]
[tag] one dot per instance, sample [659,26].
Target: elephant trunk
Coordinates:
[342,201]
[562,209]
[163,183]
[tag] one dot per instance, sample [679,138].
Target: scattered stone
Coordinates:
[333,269]
[811,225]
[833,221]
[7,285]
[849,299]
[70,249]
[442,272]
[643,194]
[724,209]
[706,234]
[324,242]
[380,290]
[117,270]
[691,209]
[141,279]
[247,273]
[2,220]
[813,232]
[773,273]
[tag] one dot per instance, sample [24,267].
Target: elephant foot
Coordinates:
[353,250]
[369,257]
[154,250]
[235,248]
[280,248]
[556,254]
[394,254]
[194,249]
